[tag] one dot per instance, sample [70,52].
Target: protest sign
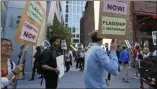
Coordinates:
[127,43]
[113,19]
[30,24]
[45,44]
[63,44]
[29,27]
[154,36]
[116,7]
[114,26]
[60,65]
[35,12]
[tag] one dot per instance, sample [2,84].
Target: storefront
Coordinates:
[144,22]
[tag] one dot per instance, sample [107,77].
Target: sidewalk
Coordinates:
[74,79]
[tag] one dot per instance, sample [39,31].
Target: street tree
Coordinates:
[58,29]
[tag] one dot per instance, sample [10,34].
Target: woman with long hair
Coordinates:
[8,67]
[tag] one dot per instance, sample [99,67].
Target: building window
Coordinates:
[70,9]
[66,19]
[74,2]
[67,8]
[73,35]
[73,30]
[81,2]
[77,35]
[66,15]
[74,9]
[78,9]
[76,40]
[66,25]
[82,9]
[70,2]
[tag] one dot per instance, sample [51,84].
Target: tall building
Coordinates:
[72,14]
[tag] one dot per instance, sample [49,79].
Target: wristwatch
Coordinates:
[14,73]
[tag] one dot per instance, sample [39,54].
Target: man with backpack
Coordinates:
[38,49]
[124,61]
[49,64]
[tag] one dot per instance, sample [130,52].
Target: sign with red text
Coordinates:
[29,32]
[30,24]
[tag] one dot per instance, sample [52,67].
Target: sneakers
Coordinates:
[125,80]
[31,79]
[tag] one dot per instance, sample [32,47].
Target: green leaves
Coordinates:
[60,30]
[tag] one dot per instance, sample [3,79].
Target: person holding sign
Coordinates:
[49,64]
[97,62]
[8,68]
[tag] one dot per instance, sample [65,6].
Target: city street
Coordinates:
[74,79]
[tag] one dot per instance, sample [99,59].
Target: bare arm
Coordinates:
[46,67]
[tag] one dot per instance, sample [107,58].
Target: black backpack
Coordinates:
[38,65]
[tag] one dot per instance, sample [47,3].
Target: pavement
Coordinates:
[74,79]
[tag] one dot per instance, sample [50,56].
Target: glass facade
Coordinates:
[73,15]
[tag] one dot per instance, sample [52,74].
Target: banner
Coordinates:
[115,7]
[30,23]
[114,26]
[154,36]
[60,65]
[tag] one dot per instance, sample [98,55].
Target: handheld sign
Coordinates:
[113,19]
[63,44]
[29,27]
[45,44]
[154,36]
[60,65]
[127,43]
[30,24]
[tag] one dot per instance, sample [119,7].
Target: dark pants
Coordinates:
[81,63]
[77,62]
[67,64]
[51,81]
[33,71]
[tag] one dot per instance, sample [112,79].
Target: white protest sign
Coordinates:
[45,44]
[73,47]
[154,36]
[60,65]
[29,32]
[63,44]
[116,7]
[127,43]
